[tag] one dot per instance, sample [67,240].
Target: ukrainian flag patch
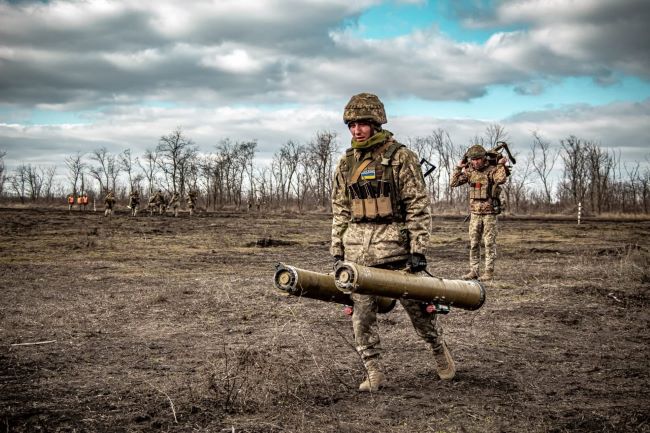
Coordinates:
[368,174]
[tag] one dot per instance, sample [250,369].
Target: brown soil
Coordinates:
[172,324]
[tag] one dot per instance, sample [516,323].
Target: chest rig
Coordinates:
[481,187]
[371,185]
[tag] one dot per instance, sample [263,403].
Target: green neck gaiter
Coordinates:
[378,138]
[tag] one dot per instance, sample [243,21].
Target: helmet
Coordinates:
[365,106]
[476,151]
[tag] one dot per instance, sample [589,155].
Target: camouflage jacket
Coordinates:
[377,242]
[481,184]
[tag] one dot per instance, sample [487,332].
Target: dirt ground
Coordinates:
[172,324]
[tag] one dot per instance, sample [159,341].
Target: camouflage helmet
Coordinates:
[476,151]
[365,106]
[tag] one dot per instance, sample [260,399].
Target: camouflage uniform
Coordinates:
[134,202]
[191,201]
[109,202]
[157,201]
[175,203]
[385,243]
[483,220]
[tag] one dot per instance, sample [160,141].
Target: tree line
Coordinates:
[547,178]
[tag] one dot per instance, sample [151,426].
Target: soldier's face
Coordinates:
[361,131]
[477,163]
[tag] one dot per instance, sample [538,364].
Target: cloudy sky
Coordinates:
[78,75]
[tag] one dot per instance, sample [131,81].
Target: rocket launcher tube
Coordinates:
[353,278]
[307,284]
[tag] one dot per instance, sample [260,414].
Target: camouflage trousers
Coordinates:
[482,228]
[366,334]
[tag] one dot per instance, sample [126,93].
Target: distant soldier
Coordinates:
[109,202]
[70,200]
[157,202]
[175,202]
[191,201]
[134,202]
[80,202]
[84,200]
[258,203]
[484,180]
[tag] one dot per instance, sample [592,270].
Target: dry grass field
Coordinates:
[172,324]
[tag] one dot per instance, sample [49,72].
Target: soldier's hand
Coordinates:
[337,259]
[416,263]
[502,161]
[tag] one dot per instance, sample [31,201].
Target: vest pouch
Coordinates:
[358,211]
[384,207]
[478,191]
[371,207]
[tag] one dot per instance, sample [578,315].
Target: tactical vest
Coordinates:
[371,185]
[481,187]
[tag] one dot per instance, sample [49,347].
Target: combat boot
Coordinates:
[471,275]
[375,378]
[488,275]
[444,362]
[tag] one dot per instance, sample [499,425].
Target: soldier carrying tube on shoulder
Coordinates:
[484,172]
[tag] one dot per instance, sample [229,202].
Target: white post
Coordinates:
[95,206]
[579,212]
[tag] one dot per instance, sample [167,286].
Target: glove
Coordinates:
[416,262]
[337,259]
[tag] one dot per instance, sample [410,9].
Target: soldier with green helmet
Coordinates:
[191,200]
[484,182]
[109,202]
[381,218]
[175,203]
[134,202]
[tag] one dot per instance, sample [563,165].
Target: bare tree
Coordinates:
[35,177]
[75,169]
[284,166]
[322,151]
[543,160]
[600,165]
[516,189]
[244,156]
[127,162]
[645,190]
[493,134]
[3,173]
[149,168]
[175,150]
[448,156]
[575,176]
[48,181]
[18,181]
[108,169]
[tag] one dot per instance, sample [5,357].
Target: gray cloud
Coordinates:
[71,55]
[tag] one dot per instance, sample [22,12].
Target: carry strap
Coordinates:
[358,171]
[390,152]
[353,174]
